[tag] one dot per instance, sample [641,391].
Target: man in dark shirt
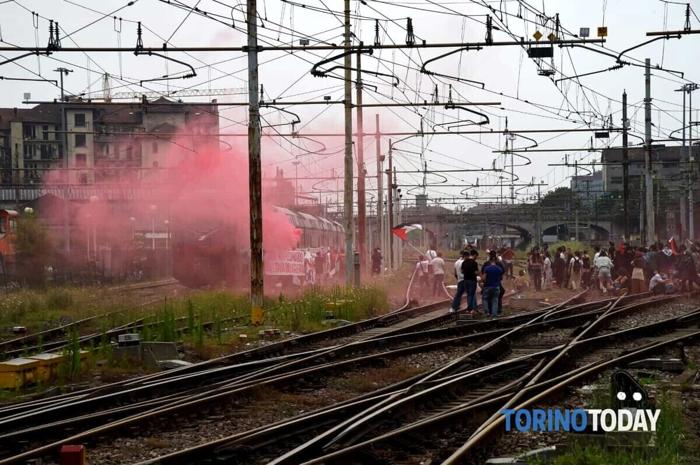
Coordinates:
[492,274]
[469,270]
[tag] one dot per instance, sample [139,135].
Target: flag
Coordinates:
[672,244]
[401,231]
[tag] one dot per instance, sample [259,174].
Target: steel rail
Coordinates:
[389,406]
[496,399]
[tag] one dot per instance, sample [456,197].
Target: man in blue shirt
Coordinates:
[491,276]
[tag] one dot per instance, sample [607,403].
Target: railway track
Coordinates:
[452,407]
[55,338]
[16,419]
[489,347]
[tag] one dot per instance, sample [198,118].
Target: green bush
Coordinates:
[34,251]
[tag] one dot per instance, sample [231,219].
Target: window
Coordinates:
[29,131]
[80,140]
[154,147]
[80,160]
[79,120]
[45,134]
[129,153]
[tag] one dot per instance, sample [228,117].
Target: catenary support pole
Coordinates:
[625,170]
[254,168]
[348,186]
[575,200]
[691,175]
[390,207]
[361,206]
[66,164]
[650,229]
[380,193]
[683,197]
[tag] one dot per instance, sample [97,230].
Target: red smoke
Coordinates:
[188,195]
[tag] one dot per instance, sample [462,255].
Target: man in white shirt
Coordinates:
[457,301]
[423,275]
[657,284]
[438,266]
[431,254]
[604,266]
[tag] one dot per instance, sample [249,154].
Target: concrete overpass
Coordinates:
[516,226]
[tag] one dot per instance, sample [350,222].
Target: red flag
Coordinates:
[672,244]
[401,231]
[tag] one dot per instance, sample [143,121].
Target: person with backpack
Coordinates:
[575,269]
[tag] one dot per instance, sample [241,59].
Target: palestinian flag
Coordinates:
[401,231]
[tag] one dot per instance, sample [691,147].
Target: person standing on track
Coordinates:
[423,275]
[639,284]
[470,271]
[438,266]
[604,266]
[377,261]
[546,272]
[457,301]
[575,268]
[492,274]
[535,267]
[508,256]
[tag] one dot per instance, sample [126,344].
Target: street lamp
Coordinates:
[132,220]
[153,226]
[93,200]
[167,233]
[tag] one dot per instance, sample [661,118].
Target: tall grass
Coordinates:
[668,446]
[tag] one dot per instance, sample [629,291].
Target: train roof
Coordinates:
[306,220]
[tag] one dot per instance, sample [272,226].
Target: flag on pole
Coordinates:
[672,245]
[401,231]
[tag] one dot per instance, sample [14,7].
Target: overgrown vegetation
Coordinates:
[34,250]
[207,322]
[668,448]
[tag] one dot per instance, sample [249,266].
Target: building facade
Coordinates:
[588,188]
[102,142]
[669,166]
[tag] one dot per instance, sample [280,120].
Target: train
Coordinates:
[211,255]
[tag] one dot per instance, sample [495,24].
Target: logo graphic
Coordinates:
[578,420]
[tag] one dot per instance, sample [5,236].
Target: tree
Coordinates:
[34,250]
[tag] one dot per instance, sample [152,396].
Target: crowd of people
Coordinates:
[471,277]
[659,268]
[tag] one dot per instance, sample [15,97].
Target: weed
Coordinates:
[668,449]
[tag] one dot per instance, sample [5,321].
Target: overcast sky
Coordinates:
[527,99]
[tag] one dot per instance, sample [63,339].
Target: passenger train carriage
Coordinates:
[216,255]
